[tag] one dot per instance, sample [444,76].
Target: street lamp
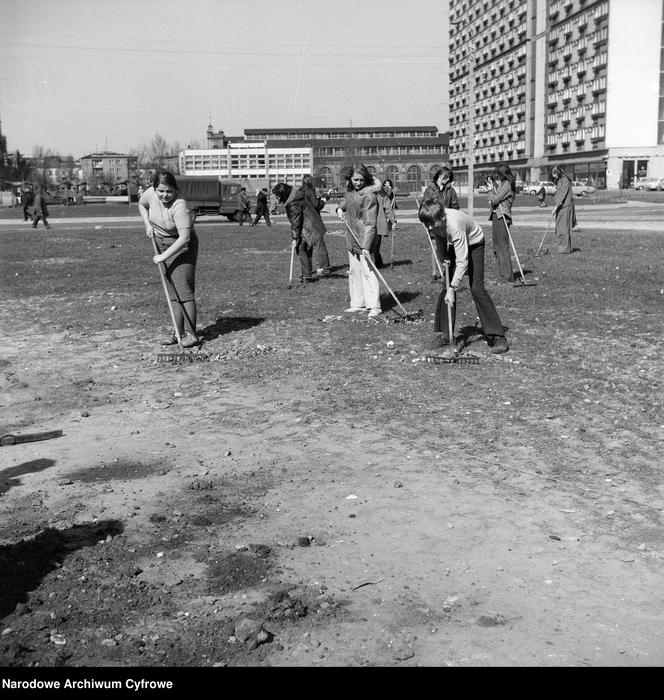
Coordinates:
[471,119]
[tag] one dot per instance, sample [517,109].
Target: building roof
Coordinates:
[347,129]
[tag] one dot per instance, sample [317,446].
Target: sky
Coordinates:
[85,75]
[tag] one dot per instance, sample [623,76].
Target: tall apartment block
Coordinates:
[579,83]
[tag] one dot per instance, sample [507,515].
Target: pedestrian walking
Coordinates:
[39,208]
[243,207]
[441,190]
[262,208]
[169,222]
[500,215]
[463,239]
[564,210]
[359,209]
[27,200]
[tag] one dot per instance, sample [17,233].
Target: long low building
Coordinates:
[408,155]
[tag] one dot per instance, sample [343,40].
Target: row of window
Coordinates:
[323,135]
[594,133]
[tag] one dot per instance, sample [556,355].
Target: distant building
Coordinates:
[408,155]
[571,82]
[107,169]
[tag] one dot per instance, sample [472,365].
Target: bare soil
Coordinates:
[314,493]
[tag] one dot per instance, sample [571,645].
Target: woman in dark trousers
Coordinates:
[169,222]
[39,208]
[500,216]
[387,203]
[465,239]
[440,190]
[564,209]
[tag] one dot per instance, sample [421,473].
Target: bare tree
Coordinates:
[158,150]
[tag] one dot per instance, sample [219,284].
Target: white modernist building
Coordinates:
[572,82]
[250,160]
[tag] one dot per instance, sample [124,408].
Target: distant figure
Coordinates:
[261,207]
[564,209]
[243,207]
[27,200]
[39,208]
[541,196]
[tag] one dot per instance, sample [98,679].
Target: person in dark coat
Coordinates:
[262,208]
[541,196]
[440,189]
[27,200]
[39,208]
[321,258]
[243,207]
[307,227]
[563,209]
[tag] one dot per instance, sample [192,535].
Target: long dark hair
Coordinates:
[440,171]
[503,171]
[282,191]
[358,168]
[164,177]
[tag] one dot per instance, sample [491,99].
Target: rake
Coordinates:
[407,316]
[181,356]
[453,356]
[509,235]
[546,233]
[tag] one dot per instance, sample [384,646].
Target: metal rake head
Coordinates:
[453,359]
[180,357]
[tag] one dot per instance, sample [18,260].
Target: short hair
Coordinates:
[387,181]
[432,214]
[164,177]
[442,170]
[362,169]
[282,191]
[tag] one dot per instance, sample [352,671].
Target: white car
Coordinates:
[579,189]
[535,188]
[649,183]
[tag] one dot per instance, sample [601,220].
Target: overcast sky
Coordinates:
[85,75]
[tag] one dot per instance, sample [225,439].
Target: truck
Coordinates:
[207,194]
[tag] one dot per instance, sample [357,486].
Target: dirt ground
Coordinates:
[314,493]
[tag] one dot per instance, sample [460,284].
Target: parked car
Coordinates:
[534,188]
[649,183]
[580,189]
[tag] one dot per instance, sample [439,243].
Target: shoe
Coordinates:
[171,341]
[498,344]
[354,309]
[374,313]
[189,340]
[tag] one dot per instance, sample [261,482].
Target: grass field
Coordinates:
[572,414]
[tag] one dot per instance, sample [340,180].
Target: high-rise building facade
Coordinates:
[577,83]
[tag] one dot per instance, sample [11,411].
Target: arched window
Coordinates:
[372,170]
[414,176]
[325,177]
[392,173]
